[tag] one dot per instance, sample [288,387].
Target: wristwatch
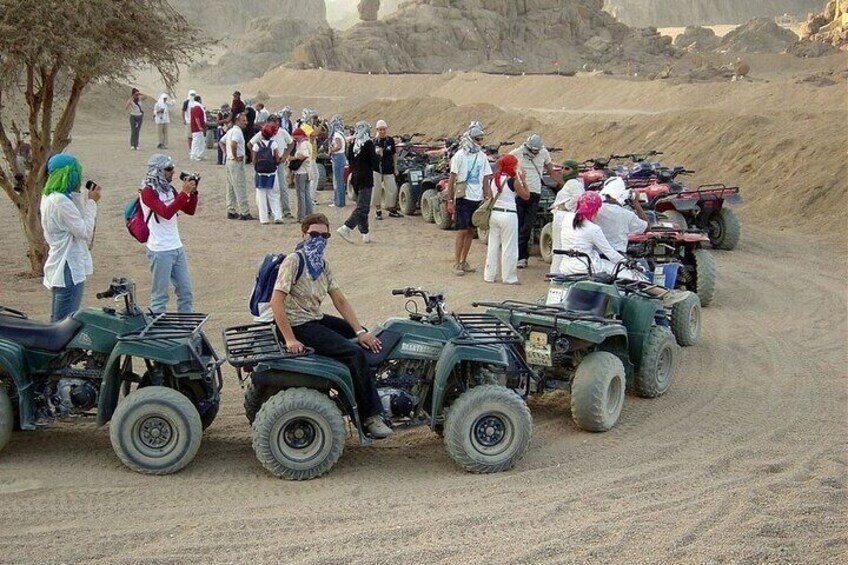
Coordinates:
[363,331]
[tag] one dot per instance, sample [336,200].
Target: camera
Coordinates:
[90,184]
[184,176]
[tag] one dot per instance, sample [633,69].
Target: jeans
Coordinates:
[167,266]
[135,130]
[339,160]
[66,300]
[359,216]
[330,337]
[304,198]
[527,210]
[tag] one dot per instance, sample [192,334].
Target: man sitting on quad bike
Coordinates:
[296,303]
[616,219]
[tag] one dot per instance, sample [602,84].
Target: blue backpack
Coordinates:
[263,287]
[264,162]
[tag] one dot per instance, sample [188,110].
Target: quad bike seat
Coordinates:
[585,301]
[389,341]
[46,336]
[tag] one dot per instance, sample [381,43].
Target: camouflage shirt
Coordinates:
[303,300]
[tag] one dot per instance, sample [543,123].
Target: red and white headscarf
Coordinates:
[588,205]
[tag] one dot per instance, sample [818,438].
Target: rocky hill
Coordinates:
[502,36]
[234,17]
[667,13]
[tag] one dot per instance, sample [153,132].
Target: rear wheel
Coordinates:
[659,358]
[686,320]
[725,229]
[156,431]
[488,429]
[298,434]
[427,205]
[546,243]
[440,214]
[597,392]
[407,206]
[7,417]
[705,276]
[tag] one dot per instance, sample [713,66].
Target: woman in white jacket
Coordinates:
[580,234]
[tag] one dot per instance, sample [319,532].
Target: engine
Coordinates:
[397,403]
[71,390]
[399,385]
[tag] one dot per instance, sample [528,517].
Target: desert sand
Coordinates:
[743,461]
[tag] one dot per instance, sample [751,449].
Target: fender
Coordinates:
[452,354]
[13,362]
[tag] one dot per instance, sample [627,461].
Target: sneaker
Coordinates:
[513,283]
[395,214]
[366,238]
[331,205]
[232,216]
[264,223]
[246,217]
[379,214]
[279,221]
[289,216]
[345,233]
[468,268]
[522,264]
[377,428]
[458,270]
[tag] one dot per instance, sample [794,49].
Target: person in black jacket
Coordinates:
[363,159]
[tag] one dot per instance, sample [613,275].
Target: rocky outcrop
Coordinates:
[234,17]
[697,39]
[830,26]
[759,35]
[667,13]
[504,36]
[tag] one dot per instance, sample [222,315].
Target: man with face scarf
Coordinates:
[535,159]
[160,203]
[362,156]
[296,303]
[67,219]
[338,148]
[469,169]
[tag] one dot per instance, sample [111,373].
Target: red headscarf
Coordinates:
[298,133]
[507,165]
[588,205]
[269,130]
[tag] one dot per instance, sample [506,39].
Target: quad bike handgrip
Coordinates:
[398,292]
[108,294]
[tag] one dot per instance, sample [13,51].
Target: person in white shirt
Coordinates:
[302,159]
[534,159]
[471,172]
[67,219]
[234,151]
[616,221]
[280,189]
[162,117]
[187,105]
[566,201]
[579,233]
[266,158]
[338,149]
[160,202]
[262,114]
[503,223]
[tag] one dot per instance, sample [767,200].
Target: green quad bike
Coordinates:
[606,335]
[82,366]
[451,372]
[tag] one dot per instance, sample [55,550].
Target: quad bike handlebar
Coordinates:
[605,278]
[432,302]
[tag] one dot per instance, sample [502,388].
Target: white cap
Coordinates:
[381,124]
[616,189]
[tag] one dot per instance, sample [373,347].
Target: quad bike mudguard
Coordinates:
[640,315]
[13,363]
[453,354]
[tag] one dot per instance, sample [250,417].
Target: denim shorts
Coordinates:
[464,210]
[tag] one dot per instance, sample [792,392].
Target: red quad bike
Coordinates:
[703,207]
[667,243]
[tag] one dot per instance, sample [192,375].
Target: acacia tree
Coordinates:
[50,50]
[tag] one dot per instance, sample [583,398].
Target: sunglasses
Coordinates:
[325,235]
[478,139]
[169,169]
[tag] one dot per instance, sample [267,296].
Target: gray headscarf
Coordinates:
[467,141]
[336,125]
[156,166]
[307,114]
[361,135]
[285,112]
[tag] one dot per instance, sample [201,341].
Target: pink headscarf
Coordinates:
[588,205]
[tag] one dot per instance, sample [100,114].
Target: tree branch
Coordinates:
[62,135]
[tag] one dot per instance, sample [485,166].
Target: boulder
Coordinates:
[760,35]
[696,38]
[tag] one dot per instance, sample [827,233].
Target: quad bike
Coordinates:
[703,207]
[603,336]
[666,244]
[82,366]
[451,372]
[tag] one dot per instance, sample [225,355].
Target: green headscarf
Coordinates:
[574,166]
[64,174]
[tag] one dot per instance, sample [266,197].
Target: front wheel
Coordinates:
[156,431]
[597,392]
[407,205]
[659,358]
[488,429]
[705,276]
[440,213]
[298,434]
[724,229]
[7,417]
[686,320]
[427,205]
[546,242]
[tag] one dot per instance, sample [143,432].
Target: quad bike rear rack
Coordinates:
[556,312]
[717,191]
[168,326]
[485,329]
[246,346]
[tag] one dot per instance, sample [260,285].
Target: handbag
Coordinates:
[483,214]
[460,188]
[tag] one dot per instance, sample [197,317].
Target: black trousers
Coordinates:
[527,210]
[359,216]
[330,336]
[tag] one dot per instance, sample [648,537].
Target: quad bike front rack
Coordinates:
[486,329]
